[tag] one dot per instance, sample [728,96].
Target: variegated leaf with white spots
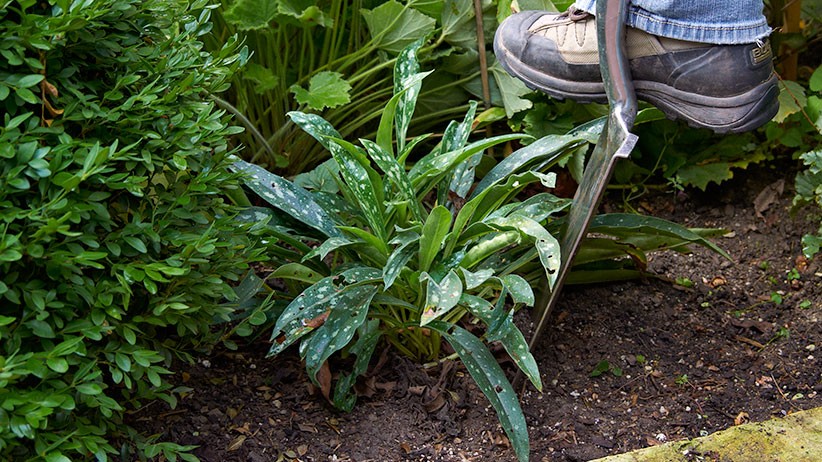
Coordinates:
[409,88]
[368,335]
[476,279]
[287,197]
[354,173]
[310,309]
[547,245]
[491,379]
[538,155]
[440,297]
[348,310]
[396,175]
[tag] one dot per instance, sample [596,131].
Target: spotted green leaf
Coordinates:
[306,311]
[504,331]
[348,310]
[400,255]
[547,245]
[331,244]
[395,174]
[283,195]
[537,155]
[491,379]
[440,297]
[518,287]
[476,279]
[408,87]
[355,174]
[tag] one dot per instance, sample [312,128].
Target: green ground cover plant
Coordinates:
[118,250]
[413,252]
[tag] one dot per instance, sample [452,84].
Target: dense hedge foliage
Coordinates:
[117,247]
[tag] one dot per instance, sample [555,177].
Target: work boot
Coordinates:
[727,88]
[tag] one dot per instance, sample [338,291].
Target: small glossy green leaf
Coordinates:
[433,236]
[329,245]
[491,379]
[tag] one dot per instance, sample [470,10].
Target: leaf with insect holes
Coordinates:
[547,245]
[440,297]
[308,309]
[491,379]
[347,311]
[325,90]
[506,333]
[283,195]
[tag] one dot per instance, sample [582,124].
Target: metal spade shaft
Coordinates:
[614,142]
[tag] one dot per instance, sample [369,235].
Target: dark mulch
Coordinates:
[684,361]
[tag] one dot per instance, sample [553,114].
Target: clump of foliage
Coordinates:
[809,181]
[334,58]
[416,254]
[117,247]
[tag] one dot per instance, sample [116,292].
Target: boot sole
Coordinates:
[733,114]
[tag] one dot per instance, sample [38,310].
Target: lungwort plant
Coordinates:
[412,256]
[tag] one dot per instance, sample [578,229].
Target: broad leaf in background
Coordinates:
[325,89]
[394,26]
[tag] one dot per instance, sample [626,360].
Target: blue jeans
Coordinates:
[719,22]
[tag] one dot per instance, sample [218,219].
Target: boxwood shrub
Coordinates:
[118,246]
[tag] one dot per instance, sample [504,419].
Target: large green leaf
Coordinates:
[491,379]
[440,297]
[284,195]
[325,89]
[511,90]
[433,235]
[252,14]
[394,26]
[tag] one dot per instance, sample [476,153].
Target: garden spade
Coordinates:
[616,141]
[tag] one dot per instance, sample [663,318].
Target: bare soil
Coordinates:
[738,345]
